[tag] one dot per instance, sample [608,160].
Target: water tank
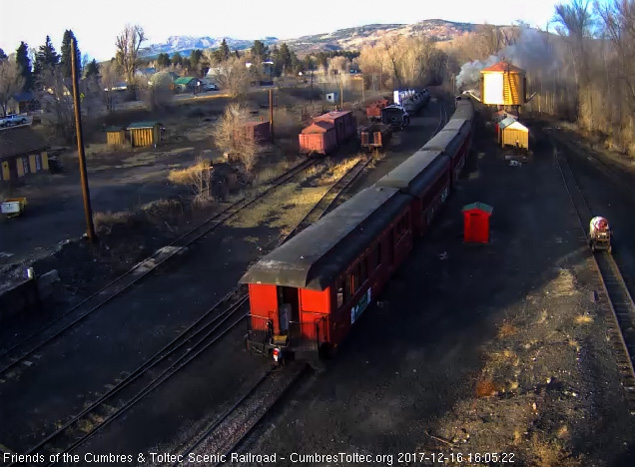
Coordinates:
[503,84]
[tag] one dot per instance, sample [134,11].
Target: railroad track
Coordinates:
[621,328]
[17,353]
[327,202]
[443,116]
[206,331]
[217,322]
[231,429]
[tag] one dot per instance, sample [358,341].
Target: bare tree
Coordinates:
[198,178]
[575,22]
[233,76]
[338,63]
[109,78]
[128,44]
[232,137]
[405,61]
[11,82]
[490,38]
[57,100]
[618,19]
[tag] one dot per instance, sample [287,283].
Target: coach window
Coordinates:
[356,281]
[340,293]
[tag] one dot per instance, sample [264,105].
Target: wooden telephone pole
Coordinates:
[88,211]
[271,114]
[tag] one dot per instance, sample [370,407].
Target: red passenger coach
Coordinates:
[454,140]
[305,295]
[426,177]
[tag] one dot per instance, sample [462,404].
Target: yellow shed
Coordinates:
[512,132]
[116,135]
[22,151]
[143,134]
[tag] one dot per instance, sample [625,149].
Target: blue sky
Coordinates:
[96,24]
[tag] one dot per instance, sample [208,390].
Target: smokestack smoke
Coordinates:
[530,52]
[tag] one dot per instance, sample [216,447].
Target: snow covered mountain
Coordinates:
[185,44]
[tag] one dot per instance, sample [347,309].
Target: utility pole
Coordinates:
[363,91]
[311,85]
[271,113]
[88,211]
[341,92]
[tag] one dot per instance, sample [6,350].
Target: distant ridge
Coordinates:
[343,39]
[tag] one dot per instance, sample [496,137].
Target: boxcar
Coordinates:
[305,295]
[344,123]
[426,177]
[318,138]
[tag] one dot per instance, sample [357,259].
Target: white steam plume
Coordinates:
[530,52]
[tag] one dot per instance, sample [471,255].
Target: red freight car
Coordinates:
[258,131]
[318,138]
[373,111]
[426,176]
[344,122]
[305,295]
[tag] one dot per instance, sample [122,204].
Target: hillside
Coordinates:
[342,39]
[356,38]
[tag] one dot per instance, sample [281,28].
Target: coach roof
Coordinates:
[416,173]
[316,256]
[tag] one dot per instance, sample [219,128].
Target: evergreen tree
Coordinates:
[224,48]
[296,64]
[2,55]
[222,53]
[177,59]
[322,60]
[275,56]
[195,59]
[285,58]
[259,50]
[46,58]
[163,61]
[65,62]
[92,69]
[24,66]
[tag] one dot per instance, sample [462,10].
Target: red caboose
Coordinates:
[305,295]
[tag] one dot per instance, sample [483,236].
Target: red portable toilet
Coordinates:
[476,222]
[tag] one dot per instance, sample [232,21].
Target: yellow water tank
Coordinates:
[503,84]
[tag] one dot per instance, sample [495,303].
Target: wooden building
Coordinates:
[318,138]
[144,134]
[513,133]
[22,151]
[115,135]
[187,84]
